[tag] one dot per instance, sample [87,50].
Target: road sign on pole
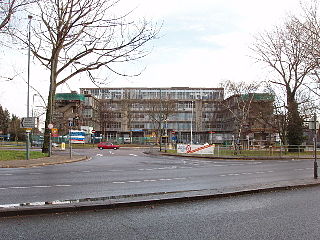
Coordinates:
[28,122]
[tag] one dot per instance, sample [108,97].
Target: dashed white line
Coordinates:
[150,180]
[62,185]
[18,187]
[134,181]
[35,173]
[40,186]
[182,178]
[6,174]
[165,179]
[119,182]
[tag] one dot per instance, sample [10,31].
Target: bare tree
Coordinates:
[159,111]
[240,96]
[286,50]
[8,8]
[72,37]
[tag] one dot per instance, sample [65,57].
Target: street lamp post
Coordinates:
[315,164]
[191,123]
[28,91]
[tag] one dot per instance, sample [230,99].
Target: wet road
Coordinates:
[130,171]
[292,215]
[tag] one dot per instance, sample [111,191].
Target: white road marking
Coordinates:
[182,178]
[165,179]
[299,169]
[62,185]
[35,173]
[233,174]
[270,171]
[119,182]
[222,175]
[3,188]
[18,187]
[134,181]
[99,155]
[186,167]
[133,155]
[6,174]
[149,180]
[41,186]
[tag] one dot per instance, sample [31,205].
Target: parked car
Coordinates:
[107,145]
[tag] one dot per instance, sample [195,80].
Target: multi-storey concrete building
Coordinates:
[82,109]
[181,114]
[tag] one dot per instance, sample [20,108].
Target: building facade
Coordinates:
[183,115]
[180,114]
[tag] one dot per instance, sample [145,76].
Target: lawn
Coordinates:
[6,155]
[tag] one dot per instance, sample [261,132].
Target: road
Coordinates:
[130,171]
[292,215]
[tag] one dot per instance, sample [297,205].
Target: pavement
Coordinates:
[134,200]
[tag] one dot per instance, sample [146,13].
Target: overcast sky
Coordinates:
[201,43]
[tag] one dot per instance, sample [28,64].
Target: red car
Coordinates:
[106,145]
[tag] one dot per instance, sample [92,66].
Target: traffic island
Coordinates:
[45,161]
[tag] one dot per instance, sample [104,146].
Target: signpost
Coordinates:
[28,123]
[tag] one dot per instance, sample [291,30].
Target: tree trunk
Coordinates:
[50,107]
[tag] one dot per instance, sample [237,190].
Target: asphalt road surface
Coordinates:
[292,215]
[130,171]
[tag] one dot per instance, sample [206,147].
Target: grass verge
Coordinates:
[6,155]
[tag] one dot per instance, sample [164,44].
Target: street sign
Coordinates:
[311,125]
[54,132]
[28,122]
[93,131]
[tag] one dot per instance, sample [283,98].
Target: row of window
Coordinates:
[122,93]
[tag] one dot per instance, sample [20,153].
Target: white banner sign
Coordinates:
[195,149]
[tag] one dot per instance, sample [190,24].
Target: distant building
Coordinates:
[176,114]
[76,111]
[142,112]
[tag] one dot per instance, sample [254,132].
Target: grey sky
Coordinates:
[201,43]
